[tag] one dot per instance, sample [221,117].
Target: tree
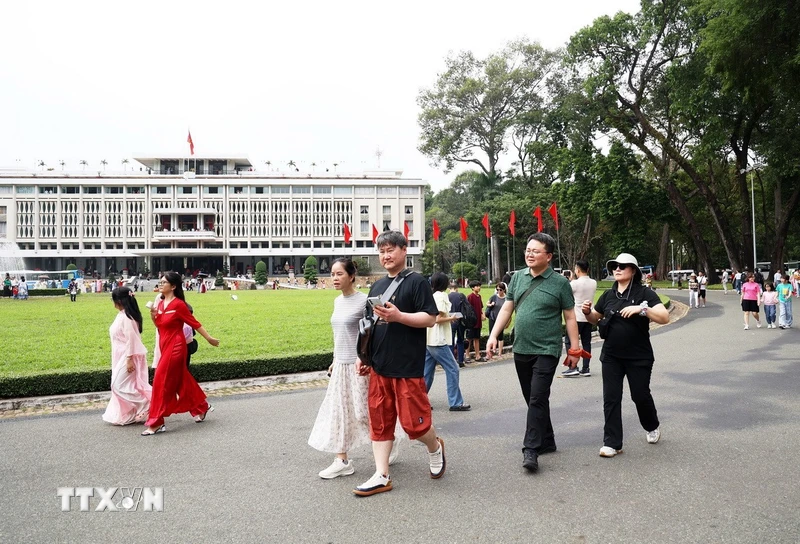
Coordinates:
[466,271]
[125,165]
[84,163]
[310,270]
[261,273]
[362,266]
[104,163]
[474,104]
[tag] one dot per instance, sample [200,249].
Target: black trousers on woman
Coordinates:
[638,373]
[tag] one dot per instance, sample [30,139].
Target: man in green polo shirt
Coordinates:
[540,297]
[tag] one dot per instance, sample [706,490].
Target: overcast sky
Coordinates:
[305,81]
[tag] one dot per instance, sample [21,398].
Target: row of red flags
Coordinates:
[537,213]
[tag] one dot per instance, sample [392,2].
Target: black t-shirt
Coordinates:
[627,338]
[398,351]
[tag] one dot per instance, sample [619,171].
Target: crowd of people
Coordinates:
[388,343]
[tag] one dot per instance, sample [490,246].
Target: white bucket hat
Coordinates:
[625,258]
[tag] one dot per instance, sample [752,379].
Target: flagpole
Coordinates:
[558,241]
[461,262]
[488,263]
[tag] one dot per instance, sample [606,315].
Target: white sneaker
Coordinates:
[747,327]
[606,451]
[653,436]
[437,461]
[758,324]
[377,484]
[338,468]
[395,451]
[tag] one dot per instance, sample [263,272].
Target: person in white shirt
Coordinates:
[583,288]
[702,282]
[725,279]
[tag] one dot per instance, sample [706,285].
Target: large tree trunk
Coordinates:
[663,266]
[700,246]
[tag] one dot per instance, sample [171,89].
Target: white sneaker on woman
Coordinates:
[338,468]
[607,451]
[653,436]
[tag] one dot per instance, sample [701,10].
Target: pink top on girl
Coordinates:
[770,298]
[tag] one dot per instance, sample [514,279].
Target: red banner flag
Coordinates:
[485,223]
[346,233]
[537,213]
[190,142]
[463,230]
[405,229]
[554,212]
[374,233]
[436,231]
[512,223]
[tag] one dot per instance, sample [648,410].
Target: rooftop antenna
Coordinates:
[378,154]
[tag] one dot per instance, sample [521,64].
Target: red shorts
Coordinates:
[393,398]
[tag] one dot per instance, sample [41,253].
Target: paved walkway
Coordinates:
[725,471]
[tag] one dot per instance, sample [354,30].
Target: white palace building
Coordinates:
[163,216]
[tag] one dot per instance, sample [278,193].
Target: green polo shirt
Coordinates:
[537,327]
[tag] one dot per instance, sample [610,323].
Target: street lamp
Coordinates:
[753,208]
[672,245]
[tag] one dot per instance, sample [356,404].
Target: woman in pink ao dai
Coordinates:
[130,389]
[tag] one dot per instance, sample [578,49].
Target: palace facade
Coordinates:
[204,214]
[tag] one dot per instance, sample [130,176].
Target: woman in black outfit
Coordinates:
[626,311]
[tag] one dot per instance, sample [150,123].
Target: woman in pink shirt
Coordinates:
[750,299]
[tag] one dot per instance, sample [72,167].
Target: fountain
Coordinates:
[10,260]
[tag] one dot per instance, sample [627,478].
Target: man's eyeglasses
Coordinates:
[535,251]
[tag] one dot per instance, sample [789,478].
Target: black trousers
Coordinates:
[585,334]
[638,373]
[535,373]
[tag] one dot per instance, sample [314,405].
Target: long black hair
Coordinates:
[126,299]
[439,282]
[177,282]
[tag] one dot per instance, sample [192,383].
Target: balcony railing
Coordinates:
[185,235]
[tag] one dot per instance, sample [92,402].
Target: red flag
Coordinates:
[405,229]
[190,142]
[463,230]
[512,223]
[537,213]
[436,231]
[485,223]
[346,233]
[374,233]
[554,212]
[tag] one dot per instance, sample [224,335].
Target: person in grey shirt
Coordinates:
[583,288]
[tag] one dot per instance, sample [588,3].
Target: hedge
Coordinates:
[86,381]
[58,292]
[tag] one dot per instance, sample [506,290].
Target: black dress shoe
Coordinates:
[547,449]
[530,461]
[461,408]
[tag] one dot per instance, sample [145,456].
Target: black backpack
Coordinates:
[470,319]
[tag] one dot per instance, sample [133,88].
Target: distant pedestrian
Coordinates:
[725,280]
[457,328]
[770,300]
[694,288]
[784,290]
[493,308]
[750,300]
[583,288]
[72,289]
[737,282]
[22,293]
[130,389]
[702,283]
[626,311]
[7,286]
[438,351]
[474,334]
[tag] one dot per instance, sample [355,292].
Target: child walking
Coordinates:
[770,299]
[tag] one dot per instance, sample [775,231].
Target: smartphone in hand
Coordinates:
[374,301]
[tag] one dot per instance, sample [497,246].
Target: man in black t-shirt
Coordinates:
[397,386]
